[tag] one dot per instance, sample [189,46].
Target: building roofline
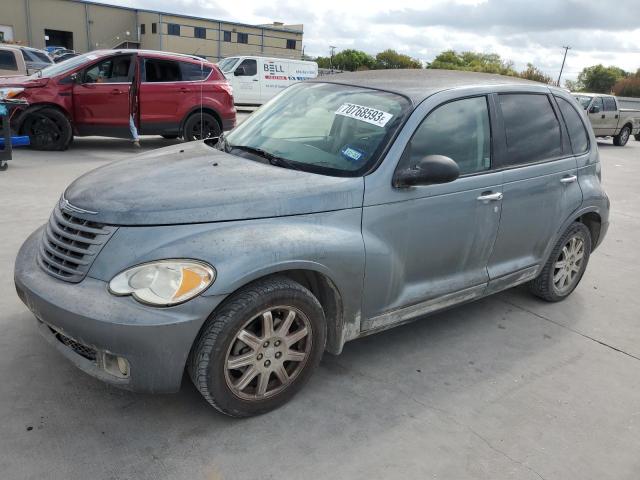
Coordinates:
[192,17]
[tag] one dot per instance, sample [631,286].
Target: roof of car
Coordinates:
[417,84]
[150,52]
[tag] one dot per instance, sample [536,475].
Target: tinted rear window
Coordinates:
[192,71]
[532,129]
[8,60]
[161,70]
[577,132]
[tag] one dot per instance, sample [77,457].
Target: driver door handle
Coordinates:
[569,179]
[116,91]
[490,197]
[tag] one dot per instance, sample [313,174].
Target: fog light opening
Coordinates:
[115,365]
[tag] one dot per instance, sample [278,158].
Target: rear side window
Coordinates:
[458,130]
[609,104]
[577,133]
[8,60]
[161,70]
[192,72]
[532,129]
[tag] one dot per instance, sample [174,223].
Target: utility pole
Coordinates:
[566,49]
[333,49]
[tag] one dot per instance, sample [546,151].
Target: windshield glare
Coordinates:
[325,128]
[66,66]
[227,64]
[583,100]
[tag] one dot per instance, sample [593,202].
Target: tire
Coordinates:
[200,126]
[637,137]
[48,129]
[549,284]
[237,391]
[622,138]
[170,137]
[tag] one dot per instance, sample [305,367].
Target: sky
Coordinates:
[524,31]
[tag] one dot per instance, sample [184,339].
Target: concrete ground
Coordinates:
[505,388]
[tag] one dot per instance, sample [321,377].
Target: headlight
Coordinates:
[10,92]
[164,282]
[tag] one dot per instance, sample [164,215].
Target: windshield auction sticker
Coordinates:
[365,114]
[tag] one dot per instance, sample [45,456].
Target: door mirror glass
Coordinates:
[240,72]
[594,109]
[430,170]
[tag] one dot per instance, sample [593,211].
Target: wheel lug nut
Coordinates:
[278,354]
[277,343]
[267,363]
[259,356]
[265,344]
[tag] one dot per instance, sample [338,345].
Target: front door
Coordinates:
[246,82]
[101,98]
[429,245]
[540,185]
[598,119]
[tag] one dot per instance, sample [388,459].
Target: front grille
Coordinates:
[82,350]
[70,245]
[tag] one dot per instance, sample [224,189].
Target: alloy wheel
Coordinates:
[567,267]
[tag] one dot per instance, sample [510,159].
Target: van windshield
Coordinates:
[227,64]
[326,128]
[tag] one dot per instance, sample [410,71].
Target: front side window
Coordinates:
[111,70]
[325,128]
[156,70]
[597,102]
[250,68]
[532,129]
[577,132]
[609,104]
[459,130]
[8,60]
[243,38]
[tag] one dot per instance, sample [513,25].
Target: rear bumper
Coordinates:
[155,341]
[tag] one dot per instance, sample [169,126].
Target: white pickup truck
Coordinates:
[608,119]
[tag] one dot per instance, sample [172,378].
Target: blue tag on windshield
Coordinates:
[352,154]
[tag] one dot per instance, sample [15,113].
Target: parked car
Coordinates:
[177,95]
[243,260]
[255,80]
[62,55]
[51,49]
[16,60]
[608,119]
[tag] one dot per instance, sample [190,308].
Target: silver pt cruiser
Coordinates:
[341,208]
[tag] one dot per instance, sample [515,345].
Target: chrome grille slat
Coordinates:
[70,244]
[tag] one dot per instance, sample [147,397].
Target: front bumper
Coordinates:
[155,341]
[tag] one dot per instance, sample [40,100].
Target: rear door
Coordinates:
[247,83]
[162,96]
[101,98]
[540,184]
[610,124]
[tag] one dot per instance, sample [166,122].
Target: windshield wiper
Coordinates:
[270,157]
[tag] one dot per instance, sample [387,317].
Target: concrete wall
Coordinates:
[99,26]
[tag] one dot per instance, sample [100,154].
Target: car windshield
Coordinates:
[325,128]
[583,100]
[59,68]
[227,64]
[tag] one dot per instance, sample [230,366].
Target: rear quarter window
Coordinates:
[532,128]
[192,72]
[577,132]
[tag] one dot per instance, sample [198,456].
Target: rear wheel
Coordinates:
[565,266]
[259,349]
[200,126]
[622,138]
[48,129]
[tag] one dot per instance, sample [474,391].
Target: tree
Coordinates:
[629,86]
[573,85]
[600,79]
[392,59]
[473,62]
[352,60]
[535,74]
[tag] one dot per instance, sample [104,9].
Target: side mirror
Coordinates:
[240,72]
[430,170]
[75,77]
[594,109]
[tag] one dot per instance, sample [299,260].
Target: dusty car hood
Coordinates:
[194,183]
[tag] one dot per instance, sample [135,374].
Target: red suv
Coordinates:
[167,94]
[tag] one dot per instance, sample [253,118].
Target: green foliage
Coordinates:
[392,59]
[352,60]
[535,74]
[599,79]
[473,62]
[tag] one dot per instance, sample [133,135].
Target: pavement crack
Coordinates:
[588,337]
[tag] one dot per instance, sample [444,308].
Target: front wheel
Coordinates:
[48,129]
[259,349]
[622,138]
[565,266]
[200,126]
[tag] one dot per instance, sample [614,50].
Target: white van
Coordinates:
[255,80]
